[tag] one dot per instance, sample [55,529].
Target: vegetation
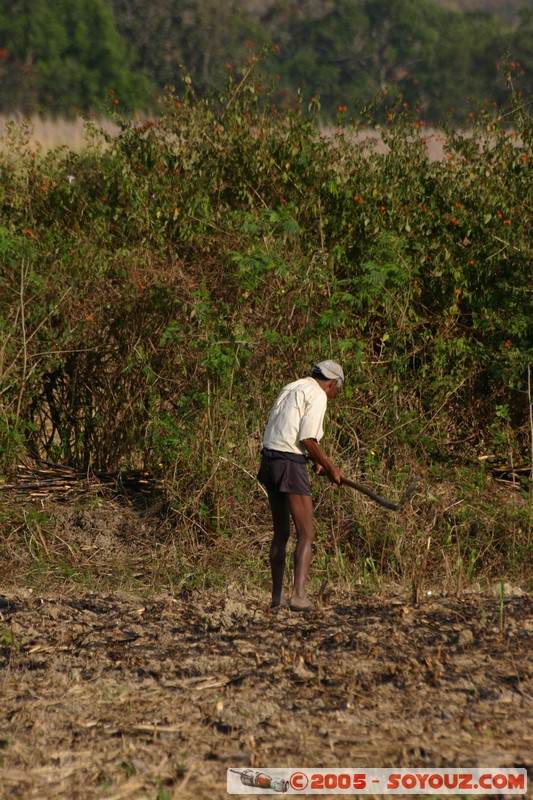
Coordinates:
[159,287]
[58,58]
[351,50]
[505,8]
[61,57]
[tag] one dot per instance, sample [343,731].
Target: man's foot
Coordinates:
[301,604]
[280,602]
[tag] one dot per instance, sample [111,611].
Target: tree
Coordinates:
[350,49]
[200,36]
[63,56]
[323,48]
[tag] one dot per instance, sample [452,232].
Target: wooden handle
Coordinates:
[369,493]
[408,493]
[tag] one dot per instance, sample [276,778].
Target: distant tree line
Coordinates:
[67,55]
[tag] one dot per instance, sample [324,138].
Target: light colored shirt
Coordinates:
[297,414]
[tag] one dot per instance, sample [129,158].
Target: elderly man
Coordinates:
[292,435]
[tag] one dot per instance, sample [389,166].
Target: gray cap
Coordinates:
[330,370]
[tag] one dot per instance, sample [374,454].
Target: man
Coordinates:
[292,435]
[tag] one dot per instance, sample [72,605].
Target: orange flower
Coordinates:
[89,318]
[457,292]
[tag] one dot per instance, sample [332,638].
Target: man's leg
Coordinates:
[301,510]
[281,522]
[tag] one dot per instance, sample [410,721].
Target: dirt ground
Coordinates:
[112,697]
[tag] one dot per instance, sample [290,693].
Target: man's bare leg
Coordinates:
[301,510]
[281,522]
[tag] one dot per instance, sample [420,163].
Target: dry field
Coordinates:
[50,133]
[109,696]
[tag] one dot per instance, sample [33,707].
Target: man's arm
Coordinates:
[319,457]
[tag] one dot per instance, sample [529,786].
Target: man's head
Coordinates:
[330,374]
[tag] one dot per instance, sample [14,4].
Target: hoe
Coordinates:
[406,496]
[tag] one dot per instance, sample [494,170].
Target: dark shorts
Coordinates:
[279,474]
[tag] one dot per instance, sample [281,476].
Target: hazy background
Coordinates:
[62,57]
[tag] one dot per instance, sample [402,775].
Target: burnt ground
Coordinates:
[109,696]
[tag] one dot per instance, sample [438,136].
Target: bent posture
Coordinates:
[292,435]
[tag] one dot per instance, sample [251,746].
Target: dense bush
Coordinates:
[159,287]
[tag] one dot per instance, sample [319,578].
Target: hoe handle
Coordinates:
[381,500]
[369,493]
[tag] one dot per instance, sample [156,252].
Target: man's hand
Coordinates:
[321,463]
[333,474]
